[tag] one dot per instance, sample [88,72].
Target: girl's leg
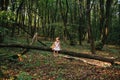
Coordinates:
[54,53]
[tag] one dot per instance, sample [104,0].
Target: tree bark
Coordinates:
[90,32]
[4,4]
[70,53]
[1,37]
[107,21]
[102,16]
[119,14]
[81,23]
[64,15]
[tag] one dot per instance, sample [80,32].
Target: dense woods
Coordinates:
[96,22]
[74,20]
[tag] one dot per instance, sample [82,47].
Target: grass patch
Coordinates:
[24,76]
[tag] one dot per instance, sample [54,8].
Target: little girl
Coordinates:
[56,47]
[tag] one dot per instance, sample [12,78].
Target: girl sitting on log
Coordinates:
[56,47]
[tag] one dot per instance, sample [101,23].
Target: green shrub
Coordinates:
[24,76]
[98,45]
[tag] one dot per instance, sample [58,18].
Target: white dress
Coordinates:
[56,46]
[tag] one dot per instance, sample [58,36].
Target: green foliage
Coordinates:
[1,38]
[98,45]
[2,33]
[7,17]
[3,30]
[60,78]
[24,76]
[29,65]
[1,74]
[114,51]
[116,66]
[114,35]
[58,29]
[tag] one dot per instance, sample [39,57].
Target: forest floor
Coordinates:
[41,65]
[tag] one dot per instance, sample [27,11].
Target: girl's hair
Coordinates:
[58,38]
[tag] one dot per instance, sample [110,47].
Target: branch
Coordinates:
[28,32]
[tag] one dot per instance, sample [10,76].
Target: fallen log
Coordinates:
[70,53]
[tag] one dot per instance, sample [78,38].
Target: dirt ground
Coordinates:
[44,66]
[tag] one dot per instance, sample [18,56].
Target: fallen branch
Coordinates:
[70,53]
[18,24]
[26,50]
[89,61]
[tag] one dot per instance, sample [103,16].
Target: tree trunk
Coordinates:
[80,29]
[64,15]
[102,16]
[18,14]
[13,26]
[107,21]
[70,53]
[119,13]
[65,20]
[90,37]
[4,4]
[1,37]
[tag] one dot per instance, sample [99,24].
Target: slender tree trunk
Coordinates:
[90,28]
[107,21]
[4,4]
[1,37]
[64,15]
[18,10]
[13,26]
[34,26]
[80,29]
[119,22]
[119,14]
[65,20]
[102,16]
[18,15]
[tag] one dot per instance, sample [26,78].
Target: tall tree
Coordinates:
[102,15]
[81,27]
[90,33]
[4,4]
[119,19]
[107,21]
[64,14]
